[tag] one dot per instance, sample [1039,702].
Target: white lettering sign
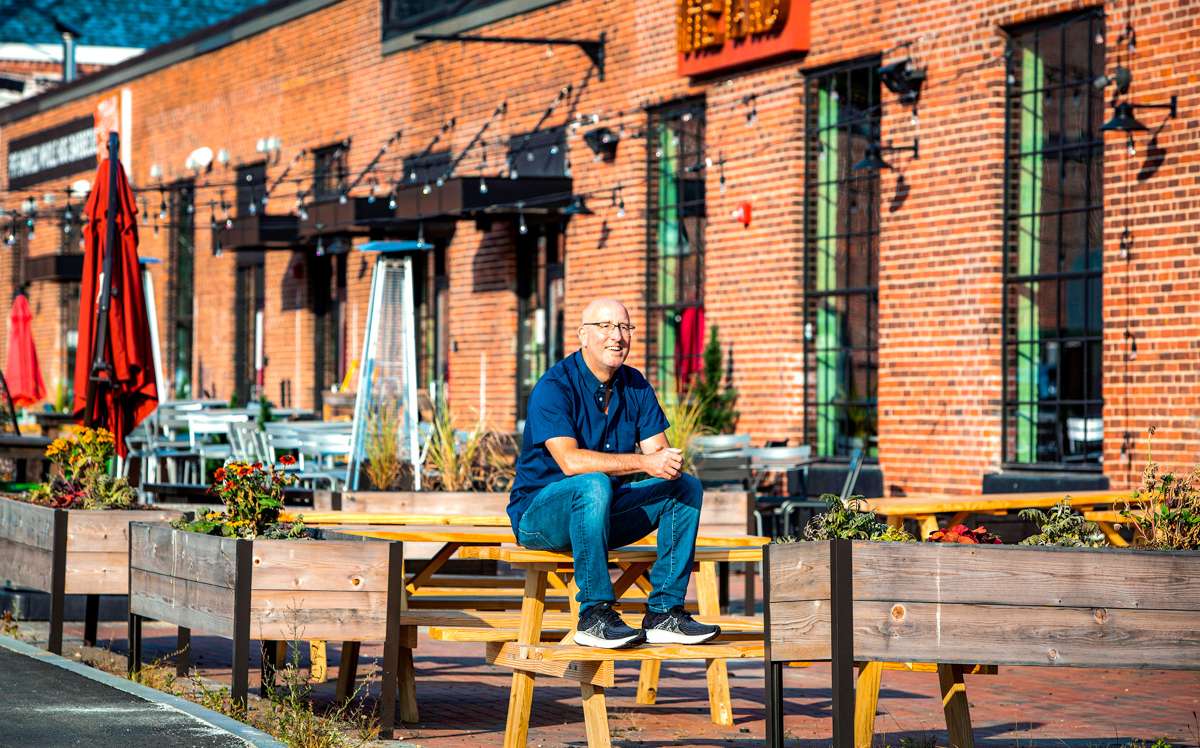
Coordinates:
[66,149]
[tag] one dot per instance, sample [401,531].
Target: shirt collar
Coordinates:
[590,382]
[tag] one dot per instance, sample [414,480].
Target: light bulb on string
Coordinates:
[1129,144]
[522,227]
[392,200]
[320,247]
[252,208]
[342,199]
[426,189]
[620,206]
[371,194]
[483,188]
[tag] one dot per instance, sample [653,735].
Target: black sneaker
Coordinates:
[677,626]
[601,626]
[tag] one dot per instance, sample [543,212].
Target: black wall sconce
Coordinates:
[902,79]
[603,143]
[1125,119]
[873,160]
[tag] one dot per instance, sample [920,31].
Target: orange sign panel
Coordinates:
[714,35]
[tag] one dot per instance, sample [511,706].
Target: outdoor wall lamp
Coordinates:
[873,160]
[200,159]
[578,207]
[1124,119]
[603,142]
[903,79]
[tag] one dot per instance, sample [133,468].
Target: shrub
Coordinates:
[253,498]
[850,521]
[1165,513]
[383,465]
[684,415]
[83,482]
[717,414]
[1062,526]
[476,460]
[964,535]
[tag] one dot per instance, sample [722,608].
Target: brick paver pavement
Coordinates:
[463,702]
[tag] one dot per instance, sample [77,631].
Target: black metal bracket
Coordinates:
[593,48]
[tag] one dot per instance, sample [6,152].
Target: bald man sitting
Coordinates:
[587,415]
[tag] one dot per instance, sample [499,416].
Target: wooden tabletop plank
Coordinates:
[574,653]
[910,506]
[377,518]
[517,555]
[497,535]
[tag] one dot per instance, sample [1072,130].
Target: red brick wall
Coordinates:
[322,78]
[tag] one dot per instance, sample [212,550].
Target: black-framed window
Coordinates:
[251,186]
[328,294]
[1054,225]
[431,291]
[249,325]
[329,171]
[426,168]
[540,299]
[675,221]
[841,260]
[401,16]
[71,219]
[541,153]
[181,290]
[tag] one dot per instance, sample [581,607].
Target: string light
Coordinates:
[522,227]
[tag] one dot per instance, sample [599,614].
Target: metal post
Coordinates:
[774,670]
[58,580]
[242,587]
[91,617]
[134,658]
[391,645]
[841,649]
[183,651]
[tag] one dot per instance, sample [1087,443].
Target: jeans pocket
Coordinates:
[533,540]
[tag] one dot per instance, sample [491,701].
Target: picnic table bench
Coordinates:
[924,509]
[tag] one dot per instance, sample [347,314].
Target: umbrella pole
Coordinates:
[101,369]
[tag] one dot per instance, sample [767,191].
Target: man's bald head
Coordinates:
[604,310]
[604,337]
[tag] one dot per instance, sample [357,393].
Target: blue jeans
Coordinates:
[587,515]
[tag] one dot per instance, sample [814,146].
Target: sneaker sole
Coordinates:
[585,639]
[655,636]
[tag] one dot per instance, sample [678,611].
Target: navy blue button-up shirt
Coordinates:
[569,401]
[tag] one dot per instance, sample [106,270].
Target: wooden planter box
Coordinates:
[340,587]
[69,552]
[995,605]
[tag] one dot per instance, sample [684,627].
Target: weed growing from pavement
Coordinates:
[8,626]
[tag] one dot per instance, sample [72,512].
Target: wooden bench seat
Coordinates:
[455,634]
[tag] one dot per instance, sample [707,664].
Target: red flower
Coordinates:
[219,475]
[287,460]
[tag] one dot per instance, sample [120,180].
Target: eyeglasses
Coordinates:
[607,327]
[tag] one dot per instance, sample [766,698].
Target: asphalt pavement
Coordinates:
[46,700]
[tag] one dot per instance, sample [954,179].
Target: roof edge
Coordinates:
[202,41]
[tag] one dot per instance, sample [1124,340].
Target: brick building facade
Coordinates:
[1017,297]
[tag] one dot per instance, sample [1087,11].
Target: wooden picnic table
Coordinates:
[1107,520]
[924,509]
[527,654]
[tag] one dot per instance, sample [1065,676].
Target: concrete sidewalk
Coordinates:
[46,700]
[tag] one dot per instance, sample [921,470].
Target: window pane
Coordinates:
[1054,232]
[841,265]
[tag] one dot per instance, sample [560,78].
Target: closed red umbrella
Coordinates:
[127,393]
[21,370]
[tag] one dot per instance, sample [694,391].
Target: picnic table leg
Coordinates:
[183,651]
[866,702]
[954,704]
[595,716]
[928,525]
[347,670]
[520,697]
[91,616]
[270,664]
[707,595]
[406,676]
[1114,537]
[318,659]
[647,689]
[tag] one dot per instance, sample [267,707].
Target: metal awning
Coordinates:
[254,232]
[469,197]
[355,217]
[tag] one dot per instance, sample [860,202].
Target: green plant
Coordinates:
[83,481]
[964,535]
[475,460]
[253,498]
[265,415]
[717,414]
[383,466]
[1062,526]
[1165,513]
[850,521]
[685,416]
